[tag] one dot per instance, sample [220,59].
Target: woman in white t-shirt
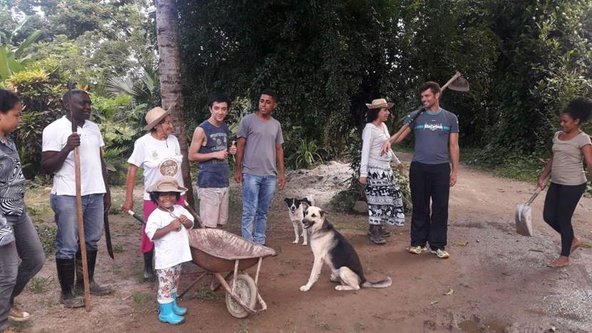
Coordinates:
[385,202]
[159,154]
[571,149]
[167,227]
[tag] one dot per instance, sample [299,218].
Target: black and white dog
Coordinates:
[330,247]
[296,209]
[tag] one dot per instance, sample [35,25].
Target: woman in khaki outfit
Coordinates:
[571,148]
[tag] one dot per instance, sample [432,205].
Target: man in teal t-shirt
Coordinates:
[433,170]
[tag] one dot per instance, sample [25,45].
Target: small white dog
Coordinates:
[330,247]
[296,209]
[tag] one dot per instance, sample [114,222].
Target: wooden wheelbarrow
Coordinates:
[220,252]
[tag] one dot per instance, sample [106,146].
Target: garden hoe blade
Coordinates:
[459,84]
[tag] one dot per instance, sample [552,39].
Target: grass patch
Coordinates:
[49,302]
[243,326]
[140,298]
[39,285]
[21,327]
[39,210]
[359,327]
[524,167]
[47,235]
[206,294]
[118,248]
[321,324]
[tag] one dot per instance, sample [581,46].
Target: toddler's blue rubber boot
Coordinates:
[178,310]
[166,314]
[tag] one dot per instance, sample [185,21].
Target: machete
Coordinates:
[108,235]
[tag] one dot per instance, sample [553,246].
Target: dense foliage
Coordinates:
[105,46]
[524,60]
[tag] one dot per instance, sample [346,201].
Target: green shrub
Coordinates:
[47,235]
[41,92]
[306,156]
[345,200]
[39,285]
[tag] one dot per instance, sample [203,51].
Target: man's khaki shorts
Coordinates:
[213,206]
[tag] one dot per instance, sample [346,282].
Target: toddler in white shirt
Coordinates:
[167,228]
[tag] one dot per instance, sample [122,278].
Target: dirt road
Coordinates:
[495,280]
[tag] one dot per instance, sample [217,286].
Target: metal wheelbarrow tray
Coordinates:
[219,252]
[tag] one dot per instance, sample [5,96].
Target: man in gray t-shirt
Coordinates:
[433,170]
[259,165]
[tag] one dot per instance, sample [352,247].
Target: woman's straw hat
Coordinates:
[155,116]
[379,104]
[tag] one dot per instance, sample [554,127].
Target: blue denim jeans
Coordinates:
[257,194]
[19,262]
[64,207]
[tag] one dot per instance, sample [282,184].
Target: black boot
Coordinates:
[148,271]
[376,236]
[385,233]
[66,268]
[95,288]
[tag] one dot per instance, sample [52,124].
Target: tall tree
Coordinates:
[170,76]
[326,59]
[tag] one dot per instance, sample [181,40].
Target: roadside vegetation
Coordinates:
[524,60]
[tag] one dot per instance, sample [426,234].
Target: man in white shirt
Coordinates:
[58,159]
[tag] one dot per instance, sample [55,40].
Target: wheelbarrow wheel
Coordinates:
[246,290]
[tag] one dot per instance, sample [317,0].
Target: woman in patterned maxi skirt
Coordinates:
[385,204]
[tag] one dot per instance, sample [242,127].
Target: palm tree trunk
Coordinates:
[170,77]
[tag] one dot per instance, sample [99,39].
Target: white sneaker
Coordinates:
[16,314]
[416,249]
[441,254]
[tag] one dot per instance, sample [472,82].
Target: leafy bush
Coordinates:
[306,156]
[120,124]
[403,182]
[41,92]
[345,200]
[526,166]
[520,166]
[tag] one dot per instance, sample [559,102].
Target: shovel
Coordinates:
[523,216]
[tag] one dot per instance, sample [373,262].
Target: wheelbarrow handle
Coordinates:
[196,217]
[139,219]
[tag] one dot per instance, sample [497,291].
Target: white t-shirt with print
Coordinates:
[173,248]
[55,136]
[158,158]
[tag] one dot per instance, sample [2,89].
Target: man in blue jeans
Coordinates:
[58,159]
[259,165]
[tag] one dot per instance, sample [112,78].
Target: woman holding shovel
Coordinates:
[159,154]
[571,149]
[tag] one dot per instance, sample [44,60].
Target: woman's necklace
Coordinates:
[168,210]
[568,136]
[161,137]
